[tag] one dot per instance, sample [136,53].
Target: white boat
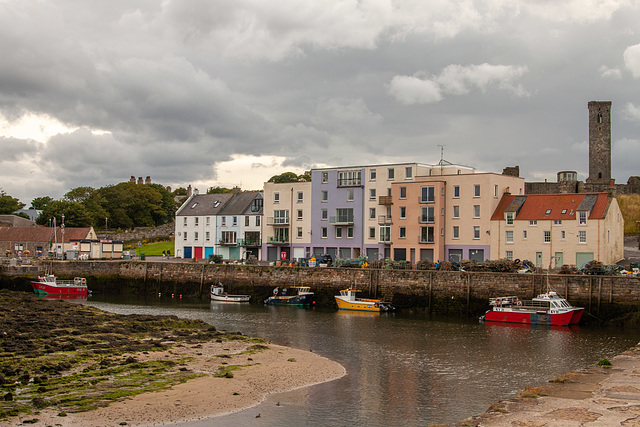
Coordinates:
[218,294]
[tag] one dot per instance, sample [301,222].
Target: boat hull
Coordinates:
[305,299]
[532,317]
[41,288]
[357,305]
[230,298]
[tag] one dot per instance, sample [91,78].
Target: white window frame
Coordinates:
[456,191]
[546,236]
[509,218]
[456,232]
[476,190]
[276,198]
[476,232]
[476,211]
[508,236]
[456,211]
[582,236]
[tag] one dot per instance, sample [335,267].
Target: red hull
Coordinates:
[52,289]
[534,318]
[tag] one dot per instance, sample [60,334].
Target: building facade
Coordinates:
[239,227]
[552,230]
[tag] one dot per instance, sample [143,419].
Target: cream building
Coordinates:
[556,229]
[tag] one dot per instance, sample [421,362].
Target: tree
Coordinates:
[219,190]
[40,203]
[79,194]
[75,214]
[8,204]
[180,191]
[291,177]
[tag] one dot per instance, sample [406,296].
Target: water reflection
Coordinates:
[401,369]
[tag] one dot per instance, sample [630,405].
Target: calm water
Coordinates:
[401,369]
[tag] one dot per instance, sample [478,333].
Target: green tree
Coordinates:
[219,190]
[40,203]
[181,191]
[291,177]
[8,204]
[79,194]
[75,214]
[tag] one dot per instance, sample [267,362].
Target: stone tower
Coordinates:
[599,142]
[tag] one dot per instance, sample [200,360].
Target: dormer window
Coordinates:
[582,217]
[510,216]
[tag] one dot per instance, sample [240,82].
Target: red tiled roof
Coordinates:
[42,234]
[536,206]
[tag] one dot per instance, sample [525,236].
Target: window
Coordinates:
[338,232]
[372,213]
[185,221]
[229,237]
[325,177]
[343,215]
[256,204]
[235,220]
[509,255]
[403,212]
[403,192]
[392,173]
[583,217]
[299,214]
[257,221]
[495,194]
[185,236]
[456,191]
[349,232]
[195,236]
[476,232]
[207,220]
[547,236]
[524,234]
[476,211]
[476,190]
[508,237]
[509,218]
[403,233]
[456,211]
[324,196]
[324,214]
[427,235]
[385,234]
[276,197]
[324,232]
[582,236]
[563,234]
[533,223]
[207,236]
[372,174]
[299,232]
[408,172]
[427,194]
[350,195]
[456,232]
[281,217]
[224,221]
[349,178]
[557,222]
[548,212]
[246,221]
[196,221]
[427,214]
[372,232]
[372,194]
[300,196]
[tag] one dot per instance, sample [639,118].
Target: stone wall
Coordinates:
[141,233]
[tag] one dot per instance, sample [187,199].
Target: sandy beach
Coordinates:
[255,375]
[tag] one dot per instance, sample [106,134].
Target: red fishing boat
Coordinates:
[51,285]
[546,309]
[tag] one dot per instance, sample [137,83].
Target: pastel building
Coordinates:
[287,222]
[239,226]
[552,230]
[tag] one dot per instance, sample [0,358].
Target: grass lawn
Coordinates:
[155,248]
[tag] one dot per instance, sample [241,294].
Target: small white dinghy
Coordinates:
[218,294]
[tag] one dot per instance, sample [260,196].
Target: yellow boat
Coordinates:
[347,300]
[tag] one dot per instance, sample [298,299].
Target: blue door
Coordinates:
[208,251]
[187,252]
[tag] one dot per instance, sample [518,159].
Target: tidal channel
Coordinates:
[402,369]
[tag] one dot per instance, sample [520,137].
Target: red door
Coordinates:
[197,252]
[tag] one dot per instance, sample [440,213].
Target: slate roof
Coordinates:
[553,206]
[42,234]
[240,204]
[204,204]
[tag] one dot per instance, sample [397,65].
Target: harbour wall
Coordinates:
[604,297]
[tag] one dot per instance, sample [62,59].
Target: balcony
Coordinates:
[426,219]
[385,240]
[384,220]
[341,220]
[350,182]
[227,243]
[385,200]
[277,240]
[277,220]
[249,242]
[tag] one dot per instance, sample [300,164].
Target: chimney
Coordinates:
[139,180]
[133,179]
[189,191]
[506,191]
[236,190]
[147,180]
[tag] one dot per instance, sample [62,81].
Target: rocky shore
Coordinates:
[68,364]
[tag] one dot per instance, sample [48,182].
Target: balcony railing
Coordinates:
[276,240]
[386,240]
[227,242]
[249,242]
[350,182]
[341,220]
[427,219]
[277,220]
[384,220]
[385,200]
[426,240]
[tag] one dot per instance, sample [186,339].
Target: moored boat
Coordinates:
[51,285]
[304,296]
[347,300]
[218,294]
[546,309]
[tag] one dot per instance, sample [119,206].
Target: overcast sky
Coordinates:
[208,92]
